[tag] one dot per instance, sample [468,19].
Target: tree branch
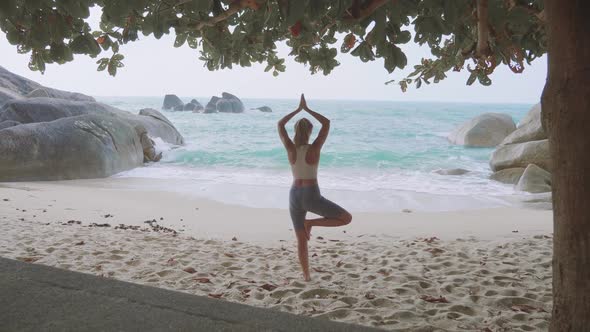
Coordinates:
[483,47]
[234,8]
[368,10]
[539,14]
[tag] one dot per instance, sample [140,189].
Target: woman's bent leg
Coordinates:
[333,214]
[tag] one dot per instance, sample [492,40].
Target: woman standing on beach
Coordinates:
[305,194]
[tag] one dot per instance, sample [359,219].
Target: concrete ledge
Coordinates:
[41,298]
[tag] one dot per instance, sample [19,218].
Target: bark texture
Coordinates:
[566,117]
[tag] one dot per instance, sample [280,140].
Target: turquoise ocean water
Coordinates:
[378,154]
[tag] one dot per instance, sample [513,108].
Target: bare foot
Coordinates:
[307,278]
[307,226]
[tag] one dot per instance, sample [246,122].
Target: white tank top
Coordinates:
[301,169]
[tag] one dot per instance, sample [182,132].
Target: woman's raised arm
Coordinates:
[283,132]
[323,134]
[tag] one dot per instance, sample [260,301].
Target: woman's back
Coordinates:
[301,169]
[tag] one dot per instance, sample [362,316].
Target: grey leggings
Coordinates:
[309,198]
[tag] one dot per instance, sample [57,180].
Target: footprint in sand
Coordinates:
[317,293]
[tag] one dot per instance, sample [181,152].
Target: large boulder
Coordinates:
[48,109]
[529,129]
[224,106]
[211,106]
[172,102]
[521,155]
[156,124]
[59,94]
[34,110]
[486,130]
[8,124]
[6,95]
[77,147]
[192,107]
[534,113]
[534,180]
[13,86]
[228,103]
[508,175]
[236,104]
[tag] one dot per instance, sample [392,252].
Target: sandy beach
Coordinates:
[476,270]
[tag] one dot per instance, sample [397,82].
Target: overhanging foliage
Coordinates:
[240,32]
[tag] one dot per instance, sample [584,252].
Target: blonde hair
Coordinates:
[303,129]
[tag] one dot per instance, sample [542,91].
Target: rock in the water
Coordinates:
[508,175]
[148,146]
[171,102]
[534,180]
[451,171]
[264,109]
[194,106]
[8,124]
[156,124]
[236,104]
[77,147]
[179,108]
[224,106]
[530,129]
[212,105]
[486,130]
[521,155]
[189,107]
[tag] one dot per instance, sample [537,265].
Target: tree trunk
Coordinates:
[566,116]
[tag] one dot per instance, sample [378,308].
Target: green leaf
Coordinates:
[472,78]
[180,39]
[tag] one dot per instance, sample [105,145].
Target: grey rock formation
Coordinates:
[59,94]
[264,109]
[13,86]
[156,124]
[8,124]
[530,129]
[534,180]
[6,95]
[77,147]
[508,175]
[48,109]
[534,113]
[228,103]
[148,146]
[224,106]
[212,105]
[451,171]
[196,102]
[48,134]
[236,104]
[172,102]
[485,130]
[192,107]
[521,155]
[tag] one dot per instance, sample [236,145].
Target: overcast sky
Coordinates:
[154,68]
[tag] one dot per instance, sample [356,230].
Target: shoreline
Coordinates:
[456,270]
[132,201]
